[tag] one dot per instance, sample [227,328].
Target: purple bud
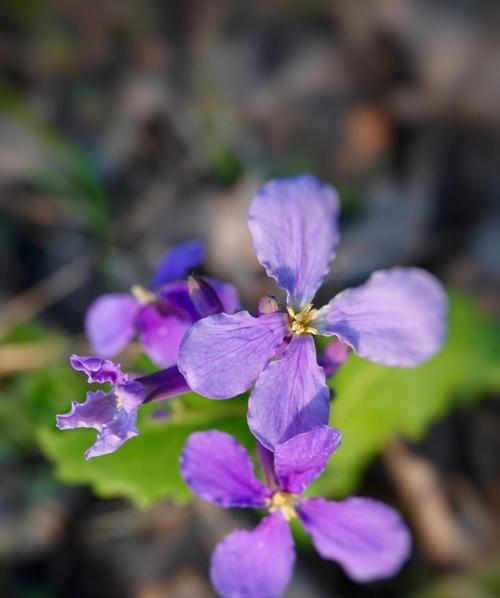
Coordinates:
[333,356]
[204,298]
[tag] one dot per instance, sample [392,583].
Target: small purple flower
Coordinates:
[367,538]
[113,414]
[160,315]
[397,318]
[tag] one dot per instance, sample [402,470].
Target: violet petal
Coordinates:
[97,369]
[254,564]
[161,335]
[397,318]
[218,469]
[302,459]
[227,294]
[120,429]
[174,299]
[222,355]
[110,323]
[98,409]
[367,538]
[290,396]
[112,414]
[177,263]
[293,223]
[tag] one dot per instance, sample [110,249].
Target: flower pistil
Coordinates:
[299,322]
[285,502]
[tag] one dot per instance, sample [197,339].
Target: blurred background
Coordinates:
[126,127]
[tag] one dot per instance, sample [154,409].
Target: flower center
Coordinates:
[299,322]
[285,502]
[142,295]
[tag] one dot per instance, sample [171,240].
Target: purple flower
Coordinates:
[113,414]
[367,538]
[160,316]
[396,318]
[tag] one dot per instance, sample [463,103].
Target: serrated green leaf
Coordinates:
[375,403]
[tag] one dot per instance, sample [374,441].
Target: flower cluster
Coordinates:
[192,327]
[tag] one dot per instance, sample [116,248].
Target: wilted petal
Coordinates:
[120,429]
[164,384]
[294,228]
[397,318]
[161,335]
[110,323]
[256,564]
[300,460]
[97,369]
[112,414]
[366,537]
[222,355]
[290,396]
[218,469]
[98,409]
[177,262]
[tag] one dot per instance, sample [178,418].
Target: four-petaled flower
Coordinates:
[396,318]
[160,315]
[367,538]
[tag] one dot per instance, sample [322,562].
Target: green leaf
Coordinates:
[375,403]
[30,401]
[146,468]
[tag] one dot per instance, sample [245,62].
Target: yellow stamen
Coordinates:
[299,322]
[285,502]
[142,295]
